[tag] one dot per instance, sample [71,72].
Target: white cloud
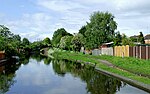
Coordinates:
[32,26]
[61,5]
[131,16]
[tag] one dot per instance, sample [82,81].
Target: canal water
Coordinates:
[42,75]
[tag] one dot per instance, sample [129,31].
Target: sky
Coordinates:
[38,19]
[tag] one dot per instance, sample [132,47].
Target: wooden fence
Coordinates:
[107,51]
[142,52]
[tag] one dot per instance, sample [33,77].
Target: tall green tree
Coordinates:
[58,34]
[82,30]
[141,38]
[100,29]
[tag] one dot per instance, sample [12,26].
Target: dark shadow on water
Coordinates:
[7,74]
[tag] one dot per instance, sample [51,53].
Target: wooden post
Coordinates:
[147,52]
[133,51]
[140,52]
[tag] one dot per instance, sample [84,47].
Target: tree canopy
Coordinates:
[58,34]
[78,41]
[100,29]
[47,42]
[9,42]
[65,42]
[141,38]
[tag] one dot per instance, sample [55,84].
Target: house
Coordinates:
[147,39]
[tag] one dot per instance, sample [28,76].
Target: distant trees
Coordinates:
[25,42]
[58,34]
[100,29]
[47,42]
[9,42]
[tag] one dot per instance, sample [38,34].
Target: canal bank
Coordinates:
[131,78]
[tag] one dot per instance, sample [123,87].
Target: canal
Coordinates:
[42,75]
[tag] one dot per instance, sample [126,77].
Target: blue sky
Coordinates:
[37,19]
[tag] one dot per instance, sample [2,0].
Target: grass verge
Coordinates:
[128,63]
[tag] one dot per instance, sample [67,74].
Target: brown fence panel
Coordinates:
[131,51]
[148,52]
[143,52]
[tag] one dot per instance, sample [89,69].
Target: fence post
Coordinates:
[136,52]
[147,52]
[133,51]
[140,52]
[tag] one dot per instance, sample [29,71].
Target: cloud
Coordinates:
[61,5]
[33,26]
[131,16]
[129,5]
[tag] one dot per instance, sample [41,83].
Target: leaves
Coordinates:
[100,29]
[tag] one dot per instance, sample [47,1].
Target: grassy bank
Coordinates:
[132,64]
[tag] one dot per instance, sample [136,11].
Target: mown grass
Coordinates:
[127,63]
[135,65]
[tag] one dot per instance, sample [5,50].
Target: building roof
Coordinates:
[135,36]
[147,37]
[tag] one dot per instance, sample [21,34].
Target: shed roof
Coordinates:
[147,36]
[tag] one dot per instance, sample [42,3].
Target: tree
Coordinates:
[65,42]
[47,42]
[9,42]
[82,30]
[117,39]
[58,34]
[78,41]
[5,32]
[141,38]
[126,40]
[100,29]
[25,41]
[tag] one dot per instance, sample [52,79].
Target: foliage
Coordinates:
[47,42]
[82,30]
[100,29]
[58,34]
[65,43]
[134,39]
[25,41]
[5,32]
[78,41]
[9,42]
[126,40]
[141,38]
[117,39]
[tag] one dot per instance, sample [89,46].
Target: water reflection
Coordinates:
[42,75]
[7,74]
[96,82]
